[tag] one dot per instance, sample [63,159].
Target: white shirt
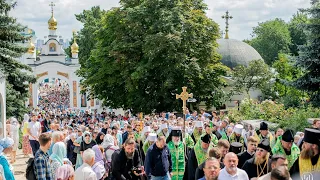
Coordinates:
[34,129]
[240,175]
[85,172]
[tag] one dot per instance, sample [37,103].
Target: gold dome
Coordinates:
[31,47]
[74,47]
[52,23]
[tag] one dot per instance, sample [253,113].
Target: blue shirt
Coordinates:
[41,166]
[6,168]
[203,178]
[158,161]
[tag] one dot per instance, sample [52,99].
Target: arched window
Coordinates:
[52,47]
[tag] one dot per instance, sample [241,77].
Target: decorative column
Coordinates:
[74,94]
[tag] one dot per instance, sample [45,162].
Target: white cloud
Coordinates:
[246,13]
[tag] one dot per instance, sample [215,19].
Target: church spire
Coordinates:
[74,46]
[227,17]
[52,22]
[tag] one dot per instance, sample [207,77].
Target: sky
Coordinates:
[246,13]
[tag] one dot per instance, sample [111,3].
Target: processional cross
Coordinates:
[227,17]
[184,96]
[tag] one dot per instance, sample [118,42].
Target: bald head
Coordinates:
[231,162]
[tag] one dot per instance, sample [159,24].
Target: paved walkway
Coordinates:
[20,166]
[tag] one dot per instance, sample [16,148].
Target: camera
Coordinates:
[137,170]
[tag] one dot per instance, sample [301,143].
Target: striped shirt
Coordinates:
[42,166]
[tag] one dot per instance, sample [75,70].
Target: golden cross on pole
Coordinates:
[184,96]
[227,17]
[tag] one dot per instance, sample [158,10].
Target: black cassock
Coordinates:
[252,169]
[191,165]
[243,157]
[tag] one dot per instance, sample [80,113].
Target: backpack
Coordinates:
[30,175]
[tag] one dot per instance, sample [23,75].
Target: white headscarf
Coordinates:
[108,140]
[5,143]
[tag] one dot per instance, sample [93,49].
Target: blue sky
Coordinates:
[246,13]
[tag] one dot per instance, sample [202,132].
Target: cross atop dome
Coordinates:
[52,4]
[227,17]
[52,22]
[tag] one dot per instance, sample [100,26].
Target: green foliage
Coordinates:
[293,118]
[297,34]
[255,76]
[280,88]
[271,38]
[17,74]
[68,49]
[86,38]
[147,50]
[309,56]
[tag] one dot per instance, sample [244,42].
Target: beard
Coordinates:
[232,169]
[176,143]
[129,155]
[258,160]
[307,153]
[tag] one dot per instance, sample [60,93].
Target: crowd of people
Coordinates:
[71,144]
[55,94]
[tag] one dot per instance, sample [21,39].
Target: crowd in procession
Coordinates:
[54,95]
[84,145]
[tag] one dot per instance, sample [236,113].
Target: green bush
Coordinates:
[293,118]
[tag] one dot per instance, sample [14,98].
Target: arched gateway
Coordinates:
[50,62]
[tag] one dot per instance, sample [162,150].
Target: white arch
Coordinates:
[51,71]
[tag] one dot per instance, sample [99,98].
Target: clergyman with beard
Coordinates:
[308,163]
[198,155]
[260,163]
[126,163]
[230,170]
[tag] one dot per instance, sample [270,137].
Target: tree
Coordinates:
[86,37]
[309,55]
[271,38]
[297,34]
[147,50]
[255,76]
[18,75]
[286,72]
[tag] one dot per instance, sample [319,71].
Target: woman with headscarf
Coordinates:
[65,172]
[26,148]
[99,138]
[6,146]
[59,152]
[71,155]
[14,134]
[109,148]
[87,142]
[98,166]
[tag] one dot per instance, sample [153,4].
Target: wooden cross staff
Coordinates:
[184,96]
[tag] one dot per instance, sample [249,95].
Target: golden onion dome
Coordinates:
[74,47]
[31,48]
[52,23]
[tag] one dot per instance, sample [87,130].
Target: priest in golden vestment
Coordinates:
[307,166]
